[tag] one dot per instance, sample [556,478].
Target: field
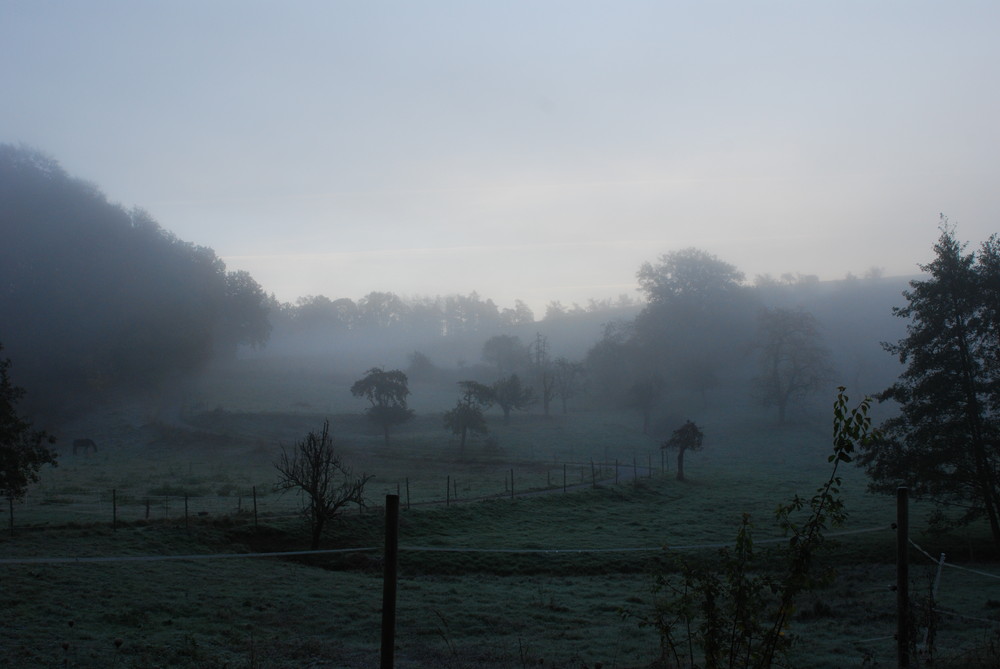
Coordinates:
[556,573]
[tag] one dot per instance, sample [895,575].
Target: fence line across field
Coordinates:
[403,548]
[129,505]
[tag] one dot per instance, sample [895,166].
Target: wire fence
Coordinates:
[878,601]
[55,506]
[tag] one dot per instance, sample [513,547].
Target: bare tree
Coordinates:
[545,376]
[314,468]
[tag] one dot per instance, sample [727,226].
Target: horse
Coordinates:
[85,445]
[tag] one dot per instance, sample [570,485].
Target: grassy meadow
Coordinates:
[552,576]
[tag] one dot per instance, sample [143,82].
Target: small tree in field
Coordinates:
[314,468]
[736,614]
[22,449]
[467,416]
[685,438]
[387,392]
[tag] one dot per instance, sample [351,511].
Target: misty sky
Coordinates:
[538,150]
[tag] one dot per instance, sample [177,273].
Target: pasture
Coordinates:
[554,575]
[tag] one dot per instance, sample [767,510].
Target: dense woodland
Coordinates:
[97,298]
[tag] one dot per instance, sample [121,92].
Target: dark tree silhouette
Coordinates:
[509,394]
[944,444]
[688,437]
[22,448]
[96,296]
[467,416]
[315,468]
[507,353]
[387,392]
[697,312]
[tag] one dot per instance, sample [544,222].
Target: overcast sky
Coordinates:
[539,150]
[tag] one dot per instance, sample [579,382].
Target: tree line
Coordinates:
[95,296]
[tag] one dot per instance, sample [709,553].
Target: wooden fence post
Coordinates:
[447,491]
[10,503]
[254,492]
[512,484]
[407,493]
[902,577]
[593,475]
[114,510]
[390,559]
[186,526]
[564,477]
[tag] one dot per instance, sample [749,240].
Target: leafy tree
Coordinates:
[644,395]
[944,444]
[22,449]
[420,366]
[793,363]
[697,311]
[467,416]
[466,314]
[510,395]
[691,277]
[244,313]
[314,467]
[612,363]
[387,392]
[507,353]
[688,437]
[521,314]
[381,311]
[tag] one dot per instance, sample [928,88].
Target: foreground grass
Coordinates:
[477,609]
[479,604]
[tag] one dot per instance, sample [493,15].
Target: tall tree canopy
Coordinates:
[95,295]
[23,449]
[689,276]
[386,391]
[696,313]
[467,416]
[945,444]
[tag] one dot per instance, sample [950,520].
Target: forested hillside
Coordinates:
[94,297]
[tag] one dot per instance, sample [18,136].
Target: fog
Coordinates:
[102,300]
[520,151]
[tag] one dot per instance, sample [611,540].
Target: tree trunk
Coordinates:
[317,532]
[680,464]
